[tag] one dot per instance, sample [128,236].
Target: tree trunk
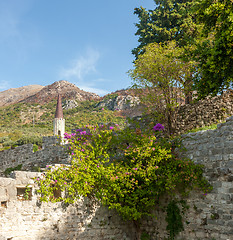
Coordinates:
[138,231]
[188,97]
[187,89]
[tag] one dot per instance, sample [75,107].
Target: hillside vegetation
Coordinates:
[23,123]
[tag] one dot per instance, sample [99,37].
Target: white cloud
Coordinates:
[98,91]
[79,70]
[4,85]
[82,66]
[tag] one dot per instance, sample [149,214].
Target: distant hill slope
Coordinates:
[42,95]
[14,95]
[66,89]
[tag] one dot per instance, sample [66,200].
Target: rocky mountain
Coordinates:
[124,101]
[119,102]
[14,95]
[66,89]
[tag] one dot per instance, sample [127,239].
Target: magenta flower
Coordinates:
[158,127]
[111,128]
[67,136]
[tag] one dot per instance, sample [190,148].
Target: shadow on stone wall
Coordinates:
[87,221]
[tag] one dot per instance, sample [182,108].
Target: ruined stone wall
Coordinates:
[209,217]
[205,112]
[28,219]
[51,152]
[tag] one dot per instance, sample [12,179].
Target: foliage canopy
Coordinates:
[215,52]
[170,20]
[160,75]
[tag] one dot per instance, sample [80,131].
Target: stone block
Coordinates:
[230,164]
[227,217]
[4,182]
[217,151]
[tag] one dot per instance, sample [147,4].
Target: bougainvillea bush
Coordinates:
[127,170]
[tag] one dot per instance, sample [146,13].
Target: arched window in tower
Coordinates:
[59,132]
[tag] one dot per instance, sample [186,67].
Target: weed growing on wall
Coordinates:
[27,193]
[174,217]
[11,169]
[127,170]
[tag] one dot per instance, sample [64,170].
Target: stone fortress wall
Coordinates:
[209,217]
[50,153]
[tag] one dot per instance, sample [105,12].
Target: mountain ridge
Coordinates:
[66,89]
[44,94]
[14,95]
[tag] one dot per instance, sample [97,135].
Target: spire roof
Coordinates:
[59,112]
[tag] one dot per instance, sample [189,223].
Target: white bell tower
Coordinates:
[59,121]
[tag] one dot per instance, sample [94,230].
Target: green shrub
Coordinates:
[35,148]
[9,170]
[30,139]
[127,170]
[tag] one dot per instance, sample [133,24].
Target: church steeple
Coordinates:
[59,121]
[59,112]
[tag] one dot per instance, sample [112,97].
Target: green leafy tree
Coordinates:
[170,20]
[128,171]
[159,75]
[215,52]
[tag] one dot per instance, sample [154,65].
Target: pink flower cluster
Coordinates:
[158,127]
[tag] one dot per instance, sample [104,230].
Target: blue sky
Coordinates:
[87,43]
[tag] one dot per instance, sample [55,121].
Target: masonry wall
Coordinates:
[22,219]
[50,153]
[212,215]
[205,112]
[209,217]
